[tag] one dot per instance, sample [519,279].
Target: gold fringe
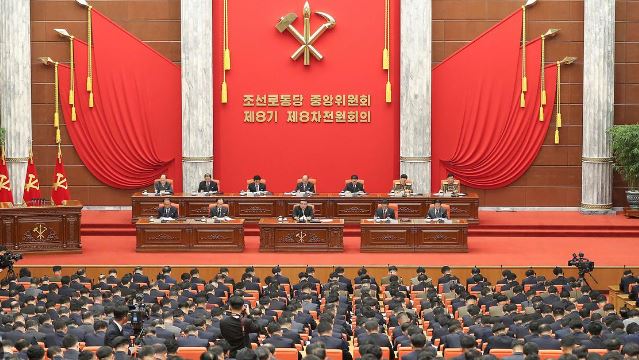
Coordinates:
[543,97]
[385,59]
[225,97]
[57,136]
[90,99]
[71,97]
[556,136]
[89,84]
[522,100]
[558,120]
[541,113]
[227,59]
[389,92]
[524,84]
[73,116]
[56,119]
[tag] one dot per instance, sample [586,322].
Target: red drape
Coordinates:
[479,132]
[133,133]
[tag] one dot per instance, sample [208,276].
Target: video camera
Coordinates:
[8,259]
[583,265]
[138,313]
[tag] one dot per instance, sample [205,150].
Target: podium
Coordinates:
[41,228]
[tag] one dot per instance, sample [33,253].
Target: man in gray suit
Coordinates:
[437,211]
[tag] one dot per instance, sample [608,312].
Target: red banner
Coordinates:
[332,118]
[5,185]
[60,189]
[31,184]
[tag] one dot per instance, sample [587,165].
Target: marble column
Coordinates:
[197,91]
[415,82]
[598,105]
[15,89]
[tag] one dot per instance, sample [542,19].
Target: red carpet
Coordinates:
[510,239]
[508,251]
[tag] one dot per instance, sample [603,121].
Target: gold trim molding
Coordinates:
[16,159]
[414,159]
[596,160]
[197,158]
[596,206]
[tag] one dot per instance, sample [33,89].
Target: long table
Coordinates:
[41,228]
[190,235]
[414,235]
[351,209]
[291,236]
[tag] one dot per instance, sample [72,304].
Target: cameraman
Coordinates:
[236,328]
[115,328]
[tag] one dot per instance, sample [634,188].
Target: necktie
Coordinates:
[384,214]
[219,211]
[166,211]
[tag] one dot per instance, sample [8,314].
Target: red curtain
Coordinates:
[133,134]
[479,131]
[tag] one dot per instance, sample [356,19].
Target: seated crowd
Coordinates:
[71,317]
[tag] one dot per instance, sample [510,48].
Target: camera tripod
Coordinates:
[582,277]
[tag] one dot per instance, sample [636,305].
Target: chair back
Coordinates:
[456,182]
[403,350]
[71,203]
[549,354]
[444,206]
[333,354]
[393,206]
[311,180]
[191,353]
[211,206]
[250,181]
[450,353]
[170,181]
[286,353]
[349,180]
[397,182]
[217,182]
[501,353]
[385,353]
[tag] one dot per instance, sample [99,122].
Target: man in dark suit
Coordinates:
[437,211]
[114,329]
[191,339]
[325,332]
[499,340]
[121,348]
[167,210]
[372,336]
[275,337]
[257,184]
[97,338]
[302,212]
[384,212]
[55,339]
[208,185]
[418,343]
[627,279]
[163,185]
[236,327]
[530,279]
[139,277]
[596,340]
[546,341]
[219,210]
[305,185]
[277,275]
[518,350]
[354,186]
[71,347]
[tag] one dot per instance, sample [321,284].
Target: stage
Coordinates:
[502,238]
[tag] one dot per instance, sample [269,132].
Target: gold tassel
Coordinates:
[227,59]
[71,97]
[57,136]
[56,119]
[541,113]
[90,99]
[556,136]
[73,116]
[543,97]
[385,60]
[522,100]
[225,98]
[558,120]
[524,84]
[389,93]
[89,84]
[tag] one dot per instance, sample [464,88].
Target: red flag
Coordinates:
[5,185]
[60,190]
[31,183]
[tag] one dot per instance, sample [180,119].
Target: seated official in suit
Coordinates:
[354,185]
[437,211]
[305,185]
[167,210]
[257,184]
[164,184]
[450,185]
[303,211]
[208,185]
[384,212]
[219,210]
[403,184]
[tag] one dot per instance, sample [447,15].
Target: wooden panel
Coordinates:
[289,236]
[416,235]
[190,235]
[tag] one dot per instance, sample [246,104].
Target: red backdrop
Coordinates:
[261,64]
